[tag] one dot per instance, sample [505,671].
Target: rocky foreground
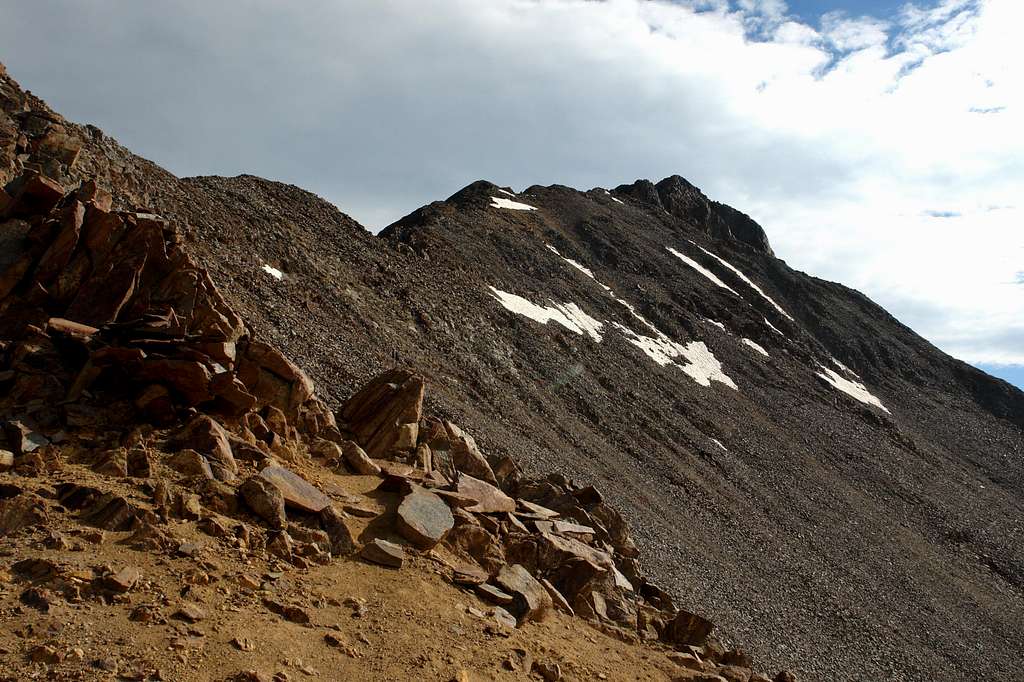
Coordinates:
[177,503]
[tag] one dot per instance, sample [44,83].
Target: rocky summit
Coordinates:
[550,434]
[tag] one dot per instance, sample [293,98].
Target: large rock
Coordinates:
[206,436]
[466,456]
[297,491]
[385,414]
[338,532]
[424,518]
[356,458]
[264,498]
[488,498]
[531,601]
[687,629]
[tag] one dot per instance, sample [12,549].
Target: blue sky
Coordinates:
[811,10]
[1011,373]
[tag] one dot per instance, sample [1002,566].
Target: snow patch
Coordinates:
[843,367]
[760,349]
[568,315]
[719,444]
[773,327]
[851,388]
[500,202]
[579,266]
[715,323]
[745,279]
[505,191]
[701,364]
[272,271]
[701,269]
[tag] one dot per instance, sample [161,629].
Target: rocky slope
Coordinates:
[795,464]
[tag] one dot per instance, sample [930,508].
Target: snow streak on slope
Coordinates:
[701,269]
[756,346]
[745,279]
[501,202]
[579,266]
[568,315]
[851,388]
[273,272]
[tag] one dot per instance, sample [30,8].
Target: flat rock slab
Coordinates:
[537,510]
[469,575]
[383,553]
[297,492]
[424,518]
[495,595]
[488,498]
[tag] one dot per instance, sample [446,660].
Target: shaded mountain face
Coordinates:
[794,463]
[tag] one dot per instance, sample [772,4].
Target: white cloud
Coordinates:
[848,141]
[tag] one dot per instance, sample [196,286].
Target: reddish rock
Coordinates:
[466,456]
[297,491]
[488,498]
[687,629]
[206,436]
[385,413]
[356,458]
[532,601]
[265,500]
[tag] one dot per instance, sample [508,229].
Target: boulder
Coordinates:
[488,498]
[356,458]
[385,414]
[424,518]
[383,553]
[531,600]
[265,499]
[466,456]
[297,492]
[190,463]
[687,629]
[204,435]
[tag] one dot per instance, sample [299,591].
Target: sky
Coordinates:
[880,143]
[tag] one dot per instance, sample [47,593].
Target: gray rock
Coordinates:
[424,518]
[384,553]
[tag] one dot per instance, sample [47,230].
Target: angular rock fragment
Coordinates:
[466,456]
[488,498]
[532,602]
[338,532]
[687,629]
[265,499]
[206,436]
[494,594]
[424,518]
[385,414]
[356,458]
[383,552]
[297,492]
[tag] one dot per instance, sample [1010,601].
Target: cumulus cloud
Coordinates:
[883,152]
